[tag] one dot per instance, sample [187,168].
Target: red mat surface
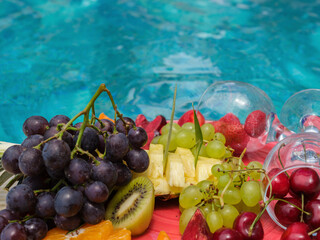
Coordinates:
[166,214]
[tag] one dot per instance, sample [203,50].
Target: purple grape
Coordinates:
[117,145]
[10,159]
[55,174]
[104,172]
[21,199]
[78,171]
[107,126]
[67,223]
[45,205]
[32,141]
[13,231]
[78,125]
[89,140]
[31,162]
[67,137]
[35,125]
[56,154]
[124,174]
[58,119]
[3,222]
[102,144]
[122,128]
[68,202]
[37,182]
[9,214]
[137,137]
[97,192]
[137,160]
[36,228]
[92,213]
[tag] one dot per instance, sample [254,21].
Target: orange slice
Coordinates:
[101,231]
[103,116]
[163,236]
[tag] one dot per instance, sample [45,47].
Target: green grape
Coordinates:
[229,213]
[223,181]
[228,154]
[254,174]
[220,137]
[244,208]
[207,131]
[232,196]
[188,126]
[216,170]
[215,149]
[181,208]
[205,185]
[190,196]
[227,166]
[205,209]
[155,140]
[202,151]
[214,220]
[185,218]
[164,140]
[175,128]
[250,193]
[185,138]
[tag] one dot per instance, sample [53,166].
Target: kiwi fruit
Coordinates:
[132,206]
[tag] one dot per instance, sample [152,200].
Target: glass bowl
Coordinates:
[295,151]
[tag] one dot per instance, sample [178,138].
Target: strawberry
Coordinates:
[255,123]
[312,120]
[189,117]
[230,118]
[141,121]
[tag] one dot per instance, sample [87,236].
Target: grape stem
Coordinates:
[224,190]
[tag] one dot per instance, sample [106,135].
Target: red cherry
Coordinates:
[227,234]
[280,185]
[242,224]
[305,181]
[286,213]
[296,231]
[313,220]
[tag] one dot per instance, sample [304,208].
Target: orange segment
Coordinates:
[101,231]
[103,116]
[120,234]
[163,236]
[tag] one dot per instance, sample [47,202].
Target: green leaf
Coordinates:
[199,138]
[166,152]
[4,177]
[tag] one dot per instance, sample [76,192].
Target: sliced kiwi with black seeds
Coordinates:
[132,206]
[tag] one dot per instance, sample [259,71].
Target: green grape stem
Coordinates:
[224,190]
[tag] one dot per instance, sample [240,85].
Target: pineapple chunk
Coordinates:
[188,161]
[203,169]
[161,186]
[175,171]
[155,169]
[191,181]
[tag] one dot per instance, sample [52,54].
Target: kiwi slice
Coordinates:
[132,206]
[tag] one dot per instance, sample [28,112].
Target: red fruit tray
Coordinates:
[166,214]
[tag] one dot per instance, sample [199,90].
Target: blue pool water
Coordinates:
[54,54]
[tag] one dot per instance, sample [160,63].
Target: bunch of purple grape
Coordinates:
[66,173]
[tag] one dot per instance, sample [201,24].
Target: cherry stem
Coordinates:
[259,216]
[302,206]
[314,231]
[282,200]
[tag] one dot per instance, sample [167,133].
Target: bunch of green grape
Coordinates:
[237,189]
[184,136]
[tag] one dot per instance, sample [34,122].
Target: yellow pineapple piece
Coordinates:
[203,169]
[161,186]
[188,161]
[191,181]
[155,169]
[175,171]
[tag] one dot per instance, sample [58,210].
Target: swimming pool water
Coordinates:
[55,54]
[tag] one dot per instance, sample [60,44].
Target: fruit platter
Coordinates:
[93,176]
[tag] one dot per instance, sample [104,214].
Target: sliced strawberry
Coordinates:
[156,124]
[150,137]
[255,123]
[141,121]
[189,117]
